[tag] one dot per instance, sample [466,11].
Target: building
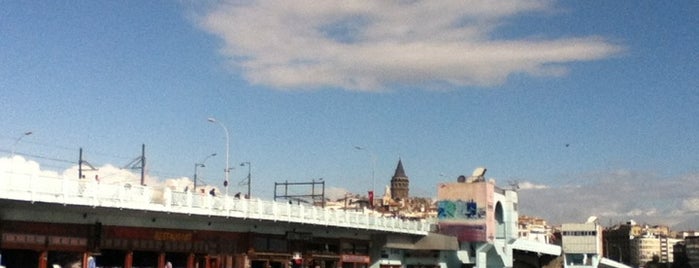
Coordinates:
[582,243]
[652,248]
[617,241]
[638,245]
[483,218]
[583,247]
[644,249]
[667,249]
[535,229]
[686,253]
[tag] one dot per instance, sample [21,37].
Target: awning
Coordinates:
[432,241]
[533,246]
[604,263]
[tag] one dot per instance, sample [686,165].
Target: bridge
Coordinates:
[126,196]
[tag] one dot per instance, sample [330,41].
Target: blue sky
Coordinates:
[551,94]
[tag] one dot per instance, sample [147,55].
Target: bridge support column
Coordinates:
[161,259]
[43,259]
[190,260]
[128,259]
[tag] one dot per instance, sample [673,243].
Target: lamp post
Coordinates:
[14,146]
[249,176]
[227,170]
[373,165]
[200,164]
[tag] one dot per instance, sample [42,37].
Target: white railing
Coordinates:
[36,188]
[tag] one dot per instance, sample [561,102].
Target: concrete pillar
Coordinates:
[128,259]
[43,259]
[161,259]
[190,260]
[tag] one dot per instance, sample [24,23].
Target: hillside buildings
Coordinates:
[643,245]
[535,229]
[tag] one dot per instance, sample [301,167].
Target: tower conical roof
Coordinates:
[399,170]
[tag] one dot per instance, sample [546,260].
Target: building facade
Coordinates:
[582,243]
[535,229]
[686,253]
[483,218]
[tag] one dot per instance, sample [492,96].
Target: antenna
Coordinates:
[514,185]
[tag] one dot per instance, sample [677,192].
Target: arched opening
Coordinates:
[499,221]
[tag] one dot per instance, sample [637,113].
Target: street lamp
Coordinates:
[249,176]
[200,164]
[373,164]
[14,146]
[227,170]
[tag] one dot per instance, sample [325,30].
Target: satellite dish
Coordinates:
[591,219]
[479,172]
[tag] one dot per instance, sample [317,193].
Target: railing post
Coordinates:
[260,207]
[227,204]
[31,187]
[64,189]
[275,210]
[188,199]
[246,206]
[301,212]
[167,197]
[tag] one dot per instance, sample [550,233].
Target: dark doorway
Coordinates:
[12,258]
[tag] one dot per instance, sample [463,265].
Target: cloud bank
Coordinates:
[107,174]
[618,196]
[374,45]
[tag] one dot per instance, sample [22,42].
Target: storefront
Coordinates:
[30,244]
[354,261]
[43,245]
[146,247]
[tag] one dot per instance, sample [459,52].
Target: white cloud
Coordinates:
[371,45]
[528,185]
[335,193]
[617,196]
[691,204]
[106,174]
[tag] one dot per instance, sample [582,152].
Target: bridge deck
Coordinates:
[36,188]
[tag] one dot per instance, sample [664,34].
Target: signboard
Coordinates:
[465,210]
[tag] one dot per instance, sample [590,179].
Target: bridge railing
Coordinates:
[88,192]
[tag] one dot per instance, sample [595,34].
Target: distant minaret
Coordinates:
[400,183]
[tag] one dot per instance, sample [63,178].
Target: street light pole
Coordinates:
[227,170]
[14,146]
[249,176]
[200,164]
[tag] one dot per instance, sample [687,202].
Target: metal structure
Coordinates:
[313,197]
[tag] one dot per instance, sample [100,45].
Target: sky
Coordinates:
[589,106]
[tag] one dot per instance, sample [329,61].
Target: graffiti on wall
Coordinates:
[463,210]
